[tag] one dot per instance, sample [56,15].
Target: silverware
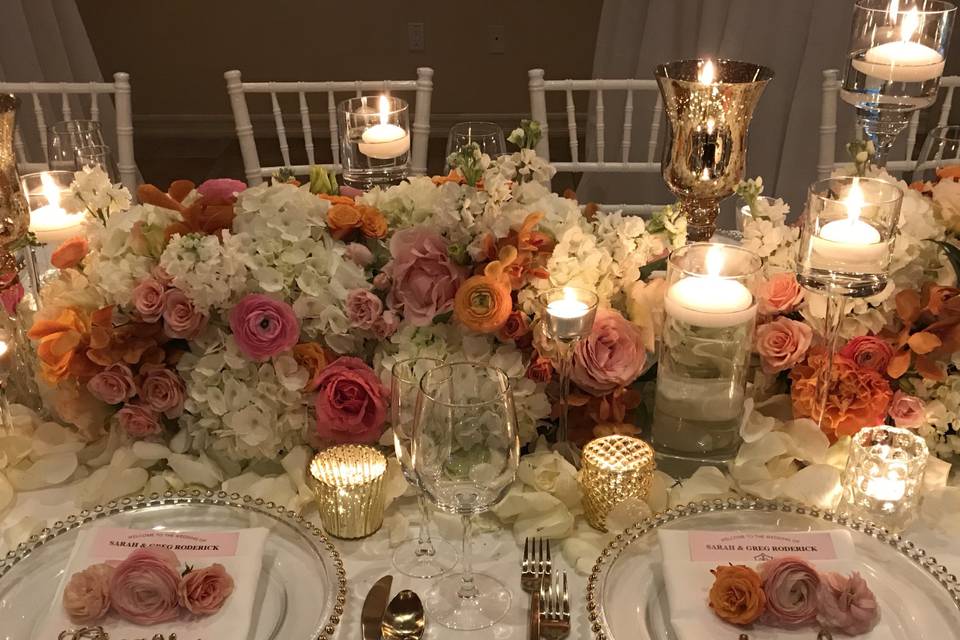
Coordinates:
[555,607]
[404,618]
[373,607]
[534,571]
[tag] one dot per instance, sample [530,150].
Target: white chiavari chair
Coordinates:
[34,94]
[827,159]
[422,87]
[650,164]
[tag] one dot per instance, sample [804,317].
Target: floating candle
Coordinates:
[384,141]
[50,222]
[567,317]
[849,243]
[902,60]
[710,300]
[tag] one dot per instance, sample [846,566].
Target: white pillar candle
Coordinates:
[903,60]
[710,300]
[849,244]
[384,141]
[51,223]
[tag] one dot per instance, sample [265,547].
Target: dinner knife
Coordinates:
[373,607]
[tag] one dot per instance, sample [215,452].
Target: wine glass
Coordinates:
[420,557]
[465,453]
[65,138]
[487,135]
[101,156]
[941,148]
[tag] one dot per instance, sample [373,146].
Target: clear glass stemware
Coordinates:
[487,135]
[65,138]
[941,149]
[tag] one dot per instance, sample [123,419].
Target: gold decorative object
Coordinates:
[614,469]
[348,482]
[14,213]
[709,105]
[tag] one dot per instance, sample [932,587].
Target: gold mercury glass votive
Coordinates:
[614,468]
[348,483]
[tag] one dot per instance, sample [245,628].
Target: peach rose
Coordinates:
[70,253]
[86,598]
[372,222]
[312,357]
[202,592]
[782,343]
[342,219]
[781,293]
[737,594]
[908,412]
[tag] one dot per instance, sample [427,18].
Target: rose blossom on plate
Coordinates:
[847,604]
[144,587]
[203,591]
[737,594]
[791,586]
[86,598]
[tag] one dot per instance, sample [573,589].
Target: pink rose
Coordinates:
[847,604]
[163,391]
[869,352]
[144,587]
[386,325]
[181,319]
[381,281]
[148,299]
[791,586]
[782,343]
[114,384]
[10,297]
[908,412]
[351,402]
[781,293]
[160,274]
[363,308]
[203,591]
[221,190]
[425,280]
[359,254]
[612,356]
[86,598]
[263,326]
[139,421]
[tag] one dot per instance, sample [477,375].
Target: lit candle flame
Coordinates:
[50,189]
[714,260]
[706,74]
[854,201]
[910,23]
[569,294]
[384,110]
[3,347]
[711,123]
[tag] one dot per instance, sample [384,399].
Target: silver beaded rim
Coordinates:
[598,619]
[196,496]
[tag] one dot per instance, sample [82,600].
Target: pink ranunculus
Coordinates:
[425,280]
[113,385]
[221,190]
[612,356]
[162,390]
[791,587]
[381,281]
[781,293]
[351,402]
[908,412]
[869,352]
[180,318]
[264,326]
[350,192]
[148,299]
[86,598]
[139,421]
[782,343]
[203,591]
[846,604]
[359,254]
[144,587]
[386,325]
[363,308]
[10,297]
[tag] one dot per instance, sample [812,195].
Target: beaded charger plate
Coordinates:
[627,599]
[300,593]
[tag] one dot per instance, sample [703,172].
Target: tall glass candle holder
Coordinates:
[894,63]
[707,340]
[348,481]
[883,476]
[374,140]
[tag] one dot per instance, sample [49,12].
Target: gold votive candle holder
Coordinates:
[614,468]
[348,484]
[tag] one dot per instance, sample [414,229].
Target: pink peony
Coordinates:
[781,293]
[425,280]
[144,587]
[359,254]
[181,319]
[908,412]
[869,352]
[163,391]
[148,299]
[263,326]
[203,591]
[790,585]
[139,421]
[386,325]
[782,343]
[113,385]
[86,598]
[612,356]
[221,190]
[847,604]
[351,402]
[363,308]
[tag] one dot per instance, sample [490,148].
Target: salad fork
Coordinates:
[555,607]
[534,572]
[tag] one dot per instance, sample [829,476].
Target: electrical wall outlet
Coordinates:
[415,36]
[496,39]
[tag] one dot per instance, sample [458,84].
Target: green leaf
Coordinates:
[650,267]
[953,255]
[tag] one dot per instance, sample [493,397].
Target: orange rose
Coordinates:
[342,219]
[737,594]
[336,199]
[312,357]
[372,222]
[70,253]
[62,345]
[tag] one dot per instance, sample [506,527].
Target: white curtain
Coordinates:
[798,39]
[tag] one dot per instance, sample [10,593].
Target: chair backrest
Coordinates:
[119,88]
[422,87]
[827,161]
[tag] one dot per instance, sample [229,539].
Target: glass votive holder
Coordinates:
[613,469]
[348,483]
[568,312]
[883,476]
[705,355]
[847,235]
[374,140]
[745,215]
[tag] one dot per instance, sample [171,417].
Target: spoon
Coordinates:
[404,618]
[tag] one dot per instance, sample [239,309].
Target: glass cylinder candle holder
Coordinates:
[614,468]
[374,140]
[49,221]
[348,482]
[705,354]
[883,476]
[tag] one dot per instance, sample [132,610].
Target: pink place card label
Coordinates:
[116,544]
[722,546]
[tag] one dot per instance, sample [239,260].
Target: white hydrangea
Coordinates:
[213,273]
[408,204]
[940,428]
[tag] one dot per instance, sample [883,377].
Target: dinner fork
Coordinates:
[534,571]
[555,607]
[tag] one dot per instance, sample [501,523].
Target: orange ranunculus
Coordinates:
[336,199]
[70,253]
[62,344]
[483,303]
[342,219]
[372,223]
[312,357]
[737,594]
